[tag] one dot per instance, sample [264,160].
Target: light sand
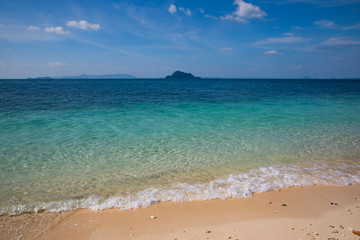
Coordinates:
[308,214]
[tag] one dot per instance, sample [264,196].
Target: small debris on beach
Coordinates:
[292,228]
[208,231]
[335,231]
[349,211]
[153,217]
[269,202]
[356,232]
[283,205]
[334,203]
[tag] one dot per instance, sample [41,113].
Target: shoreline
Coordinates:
[234,185]
[311,212]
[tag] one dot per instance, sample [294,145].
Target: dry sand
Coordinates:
[316,212]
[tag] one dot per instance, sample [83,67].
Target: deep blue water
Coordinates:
[27,95]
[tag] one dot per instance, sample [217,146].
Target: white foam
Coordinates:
[232,186]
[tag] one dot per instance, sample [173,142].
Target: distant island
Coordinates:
[181,75]
[86,76]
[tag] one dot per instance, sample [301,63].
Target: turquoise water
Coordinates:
[67,144]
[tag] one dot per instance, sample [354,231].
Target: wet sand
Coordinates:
[316,212]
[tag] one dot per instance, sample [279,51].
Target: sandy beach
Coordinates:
[315,212]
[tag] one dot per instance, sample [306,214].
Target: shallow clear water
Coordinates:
[66,144]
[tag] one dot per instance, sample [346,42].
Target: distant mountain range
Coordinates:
[87,76]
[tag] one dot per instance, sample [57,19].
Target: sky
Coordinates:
[151,39]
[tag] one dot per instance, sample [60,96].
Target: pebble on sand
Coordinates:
[349,211]
[153,217]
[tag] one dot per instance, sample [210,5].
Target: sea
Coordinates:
[67,144]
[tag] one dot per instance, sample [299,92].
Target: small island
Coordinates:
[181,75]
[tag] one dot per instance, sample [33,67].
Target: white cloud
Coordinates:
[33,28]
[56,64]
[340,42]
[272,52]
[353,27]
[57,30]
[333,25]
[325,24]
[226,49]
[231,17]
[185,10]
[83,24]
[20,33]
[290,39]
[172,9]
[245,11]
[211,17]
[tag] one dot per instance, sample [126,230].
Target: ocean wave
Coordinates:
[240,185]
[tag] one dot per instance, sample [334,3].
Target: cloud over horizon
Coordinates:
[33,28]
[56,64]
[272,52]
[172,9]
[287,39]
[340,42]
[185,10]
[245,11]
[332,25]
[83,25]
[56,30]
[325,24]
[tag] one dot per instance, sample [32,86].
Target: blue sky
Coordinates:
[227,38]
